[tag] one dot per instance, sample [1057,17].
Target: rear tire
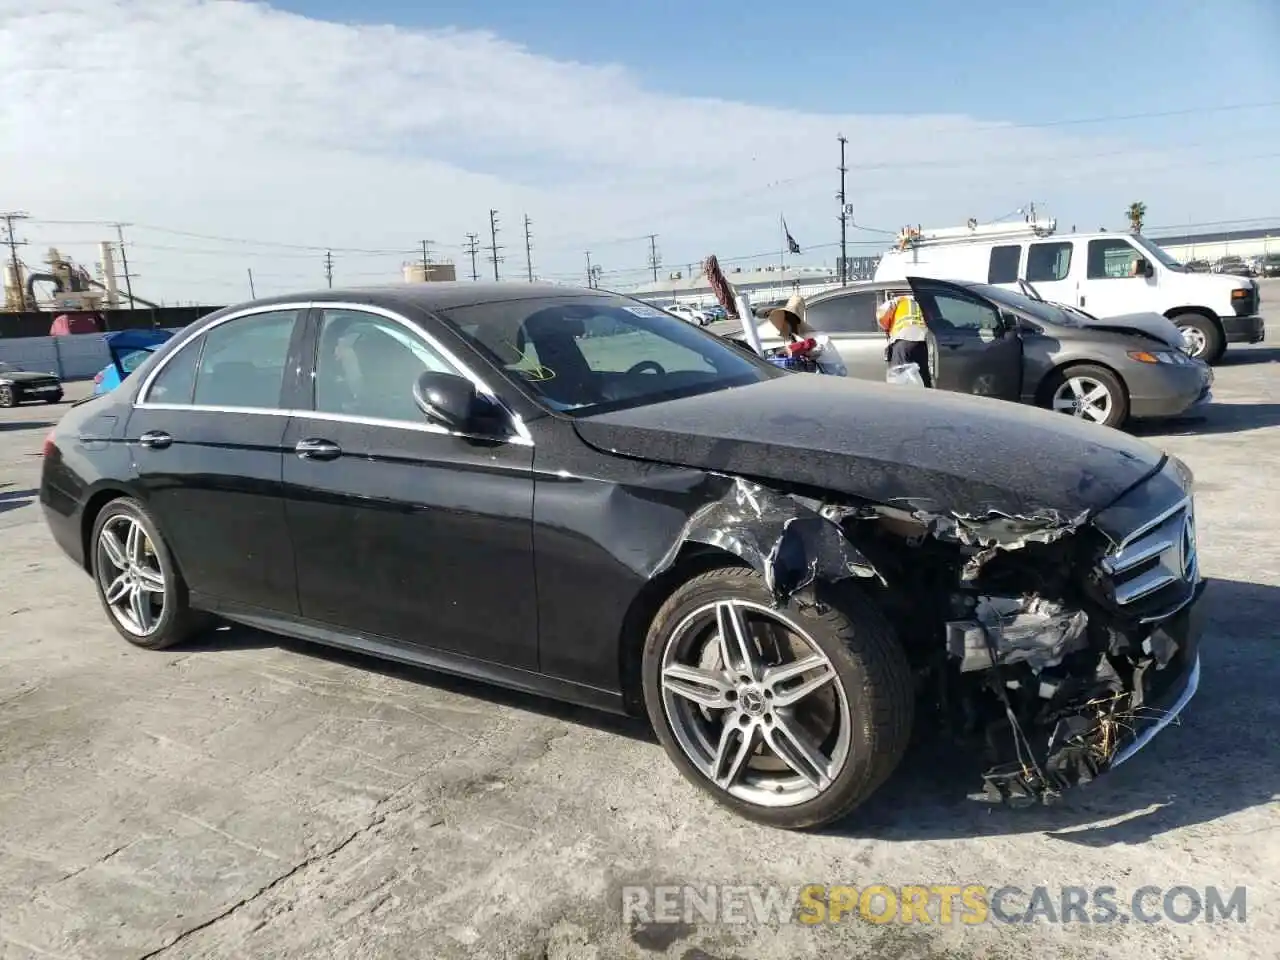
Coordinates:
[1205,339]
[1098,395]
[139,586]
[840,727]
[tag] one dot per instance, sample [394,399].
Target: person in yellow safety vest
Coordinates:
[903,323]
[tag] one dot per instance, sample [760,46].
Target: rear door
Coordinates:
[977,351]
[205,436]
[849,319]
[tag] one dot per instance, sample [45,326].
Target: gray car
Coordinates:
[989,341]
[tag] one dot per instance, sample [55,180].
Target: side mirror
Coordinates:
[453,402]
[1145,269]
[1009,321]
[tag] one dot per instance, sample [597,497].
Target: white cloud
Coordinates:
[238,120]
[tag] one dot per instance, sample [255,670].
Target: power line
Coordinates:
[654,261]
[528,249]
[14,244]
[473,247]
[844,216]
[328,268]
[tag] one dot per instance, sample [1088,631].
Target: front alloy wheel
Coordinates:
[772,734]
[791,717]
[1088,392]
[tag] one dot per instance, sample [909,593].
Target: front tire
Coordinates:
[7,398]
[139,585]
[1088,392]
[790,717]
[1203,336]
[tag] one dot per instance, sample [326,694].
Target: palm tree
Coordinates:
[1137,212]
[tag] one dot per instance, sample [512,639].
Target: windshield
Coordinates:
[1157,253]
[581,355]
[1043,310]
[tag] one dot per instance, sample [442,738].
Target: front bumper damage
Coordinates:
[1057,644]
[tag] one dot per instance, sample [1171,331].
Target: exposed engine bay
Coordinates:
[1012,623]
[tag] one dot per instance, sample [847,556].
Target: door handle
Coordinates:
[317,449]
[155,440]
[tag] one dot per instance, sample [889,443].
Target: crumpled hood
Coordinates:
[890,444]
[1160,327]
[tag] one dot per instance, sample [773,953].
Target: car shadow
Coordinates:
[1216,760]
[1213,762]
[15,425]
[1242,356]
[1217,418]
[16,499]
[236,637]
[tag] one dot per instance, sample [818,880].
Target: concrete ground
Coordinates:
[252,797]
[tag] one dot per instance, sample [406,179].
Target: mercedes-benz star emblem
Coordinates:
[752,701]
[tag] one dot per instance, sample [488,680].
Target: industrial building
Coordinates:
[1253,242]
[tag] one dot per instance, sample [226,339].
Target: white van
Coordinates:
[1104,274]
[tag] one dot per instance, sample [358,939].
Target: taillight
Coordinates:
[49,446]
[97,377]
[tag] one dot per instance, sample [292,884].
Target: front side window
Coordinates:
[1048,262]
[1003,267]
[1111,259]
[367,365]
[953,311]
[581,355]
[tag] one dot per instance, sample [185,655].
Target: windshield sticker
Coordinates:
[642,310]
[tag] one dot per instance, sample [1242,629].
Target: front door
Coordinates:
[403,530]
[1111,286]
[205,437]
[976,350]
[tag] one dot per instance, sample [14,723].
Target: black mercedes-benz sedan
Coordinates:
[576,494]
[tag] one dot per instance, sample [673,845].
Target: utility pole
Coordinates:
[253,295]
[328,267]
[654,262]
[426,260]
[493,242]
[473,247]
[124,265]
[590,281]
[528,249]
[844,218]
[14,244]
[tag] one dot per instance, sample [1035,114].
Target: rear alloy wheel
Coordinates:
[1089,393]
[7,398]
[1202,337]
[138,584]
[790,717]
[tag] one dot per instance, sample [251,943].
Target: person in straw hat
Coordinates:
[802,341]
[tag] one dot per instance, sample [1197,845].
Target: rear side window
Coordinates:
[1048,262]
[176,382]
[1004,264]
[853,313]
[237,364]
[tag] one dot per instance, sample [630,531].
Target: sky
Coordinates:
[233,137]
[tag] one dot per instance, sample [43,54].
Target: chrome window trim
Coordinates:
[522,436]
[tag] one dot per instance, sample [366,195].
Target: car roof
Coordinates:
[444,295]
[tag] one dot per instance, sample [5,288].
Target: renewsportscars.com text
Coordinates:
[943,904]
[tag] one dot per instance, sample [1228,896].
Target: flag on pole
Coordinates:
[792,246]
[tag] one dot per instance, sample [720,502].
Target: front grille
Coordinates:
[1153,572]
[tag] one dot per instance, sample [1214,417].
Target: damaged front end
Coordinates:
[1058,644]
